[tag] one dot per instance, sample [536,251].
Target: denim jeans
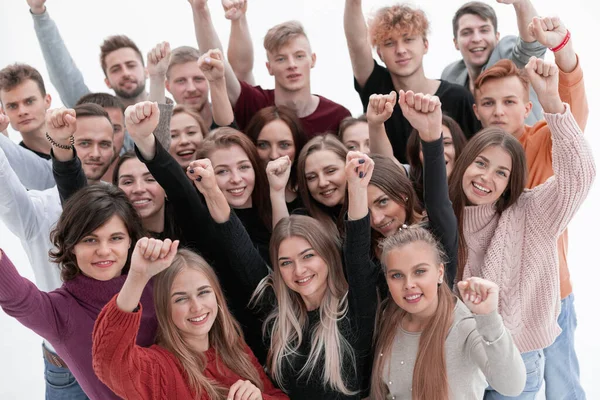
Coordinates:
[561,374]
[534,367]
[61,384]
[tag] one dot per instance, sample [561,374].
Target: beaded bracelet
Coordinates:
[563,43]
[61,146]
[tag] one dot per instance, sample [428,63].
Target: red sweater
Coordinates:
[134,372]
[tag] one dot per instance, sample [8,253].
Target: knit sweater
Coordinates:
[65,317]
[478,352]
[518,248]
[134,372]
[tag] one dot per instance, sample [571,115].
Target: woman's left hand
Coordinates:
[479,295]
[244,390]
[359,169]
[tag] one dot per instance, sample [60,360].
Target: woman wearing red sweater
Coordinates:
[200,351]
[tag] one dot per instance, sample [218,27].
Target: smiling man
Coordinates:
[476,36]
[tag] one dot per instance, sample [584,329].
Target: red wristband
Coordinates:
[563,44]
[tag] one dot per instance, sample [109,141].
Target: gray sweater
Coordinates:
[479,350]
[509,47]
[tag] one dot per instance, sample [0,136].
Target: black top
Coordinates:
[357,326]
[457,103]
[37,153]
[69,176]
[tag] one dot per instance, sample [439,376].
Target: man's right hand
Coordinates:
[37,6]
[61,124]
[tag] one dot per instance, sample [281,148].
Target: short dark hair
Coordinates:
[482,10]
[90,110]
[116,42]
[87,210]
[15,74]
[104,100]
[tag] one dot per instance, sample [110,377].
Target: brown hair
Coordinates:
[430,377]
[347,123]
[15,74]
[399,18]
[482,10]
[183,55]
[113,43]
[224,138]
[87,210]
[288,117]
[104,100]
[90,110]
[225,336]
[413,148]
[488,137]
[279,35]
[192,112]
[502,69]
[318,143]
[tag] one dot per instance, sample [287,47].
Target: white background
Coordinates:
[84,24]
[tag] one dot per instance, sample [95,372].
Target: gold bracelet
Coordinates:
[61,146]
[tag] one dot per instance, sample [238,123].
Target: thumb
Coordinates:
[155,110]
[70,119]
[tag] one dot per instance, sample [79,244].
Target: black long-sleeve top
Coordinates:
[357,326]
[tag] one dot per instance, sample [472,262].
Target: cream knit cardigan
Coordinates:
[517,249]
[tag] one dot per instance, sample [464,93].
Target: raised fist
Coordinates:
[234,9]
[278,173]
[549,31]
[202,174]
[158,59]
[211,64]
[61,124]
[359,168]
[37,6]
[543,76]
[479,295]
[381,107]
[423,112]
[152,256]
[197,4]
[141,119]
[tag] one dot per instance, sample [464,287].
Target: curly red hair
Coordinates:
[399,18]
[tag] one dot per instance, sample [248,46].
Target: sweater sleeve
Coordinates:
[572,91]
[269,392]
[555,202]
[442,220]
[492,349]
[131,371]
[69,176]
[35,309]
[34,172]
[64,74]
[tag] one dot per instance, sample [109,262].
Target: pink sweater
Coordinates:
[518,250]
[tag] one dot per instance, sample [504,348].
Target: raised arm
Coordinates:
[207,38]
[212,65]
[64,74]
[357,38]
[158,62]
[380,109]
[525,12]
[278,174]
[240,50]
[34,172]
[425,114]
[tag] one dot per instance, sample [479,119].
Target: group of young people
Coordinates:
[240,243]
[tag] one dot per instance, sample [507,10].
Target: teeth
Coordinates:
[477,49]
[186,153]
[236,191]
[385,225]
[103,263]
[141,201]
[305,279]
[413,297]
[481,188]
[328,192]
[198,319]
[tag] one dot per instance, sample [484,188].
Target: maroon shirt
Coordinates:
[326,118]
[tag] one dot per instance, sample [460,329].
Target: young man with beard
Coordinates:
[399,34]
[476,36]
[502,100]
[290,60]
[31,215]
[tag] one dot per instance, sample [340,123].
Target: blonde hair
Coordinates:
[288,320]
[430,377]
[225,336]
[279,35]
[399,18]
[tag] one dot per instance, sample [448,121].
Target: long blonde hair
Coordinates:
[288,320]
[225,335]
[430,378]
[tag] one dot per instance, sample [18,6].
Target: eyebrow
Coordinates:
[197,290]
[301,253]
[238,163]
[488,161]
[419,265]
[378,199]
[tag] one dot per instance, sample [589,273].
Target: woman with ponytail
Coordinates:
[432,345]
[200,352]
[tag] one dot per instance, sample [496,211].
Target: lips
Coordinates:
[294,76]
[476,50]
[403,61]
[237,192]
[328,193]
[186,154]
[139,203]
[304,281]
[199,320]
[26,121]
[385,227]
[480,189]
[103,264]
[413,298]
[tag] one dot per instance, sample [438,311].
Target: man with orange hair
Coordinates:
[502,100]
[399,34]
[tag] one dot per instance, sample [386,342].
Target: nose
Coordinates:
[498,109]
[22,110]
[400,47]
[103,248]
[300,270]
[291,63]
[184,139]
[235,176]
[476,36]
[376,217]
[138,187]
[323,181]
[273,154]
[194,304]
[189,86]
[95,151]
[408,283]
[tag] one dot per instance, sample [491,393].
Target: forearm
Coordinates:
[240,51]
[221,107]
[218,207]
[35,173]
[131,292]
[357,203]
[357,40]
[379,141]
[566,58]
[279,206]
[525,12]
[157,89]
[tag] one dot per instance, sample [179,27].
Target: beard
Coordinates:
[133,94]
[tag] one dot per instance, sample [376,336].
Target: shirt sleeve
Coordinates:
[572,91]
[69,176]
[251,100]
[34,172]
